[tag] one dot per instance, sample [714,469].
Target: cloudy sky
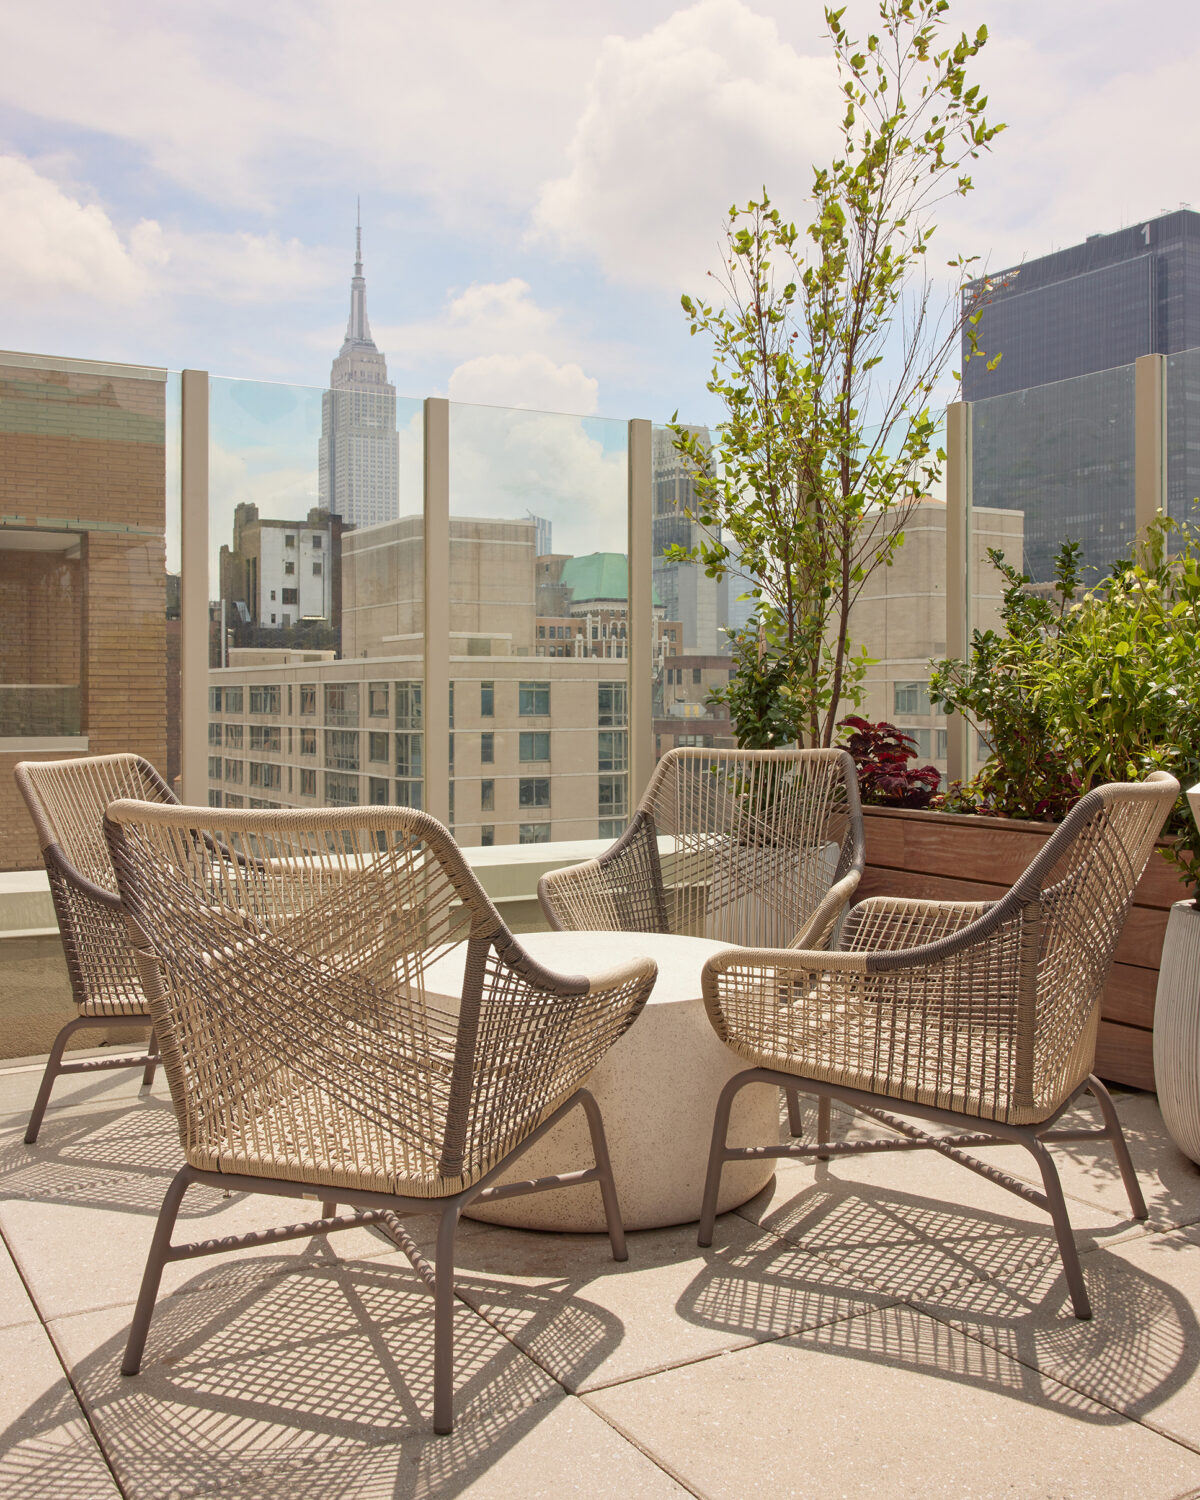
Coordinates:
[539,181]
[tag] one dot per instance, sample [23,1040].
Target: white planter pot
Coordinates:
[1177,1029]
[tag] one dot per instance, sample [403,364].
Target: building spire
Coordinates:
[358,330]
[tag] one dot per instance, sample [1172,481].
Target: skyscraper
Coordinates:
[1052,422]
[700,603]
[358,460]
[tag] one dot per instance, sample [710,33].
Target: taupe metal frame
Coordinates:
[912,1138]
[66,800]
[384,1210]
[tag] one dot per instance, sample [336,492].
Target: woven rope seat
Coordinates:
[758,847]
[66,800]
[960,1013]
[286,955]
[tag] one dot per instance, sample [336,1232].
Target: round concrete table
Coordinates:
[657,1089]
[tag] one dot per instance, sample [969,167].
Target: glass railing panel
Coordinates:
[83,590]
[538,626]
[316,582]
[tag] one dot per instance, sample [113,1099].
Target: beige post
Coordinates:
[1149,440]
[641,614]
[437,607]
[193,588]
[958,571]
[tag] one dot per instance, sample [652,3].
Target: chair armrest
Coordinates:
[622,891]
[58,865]
[820,927]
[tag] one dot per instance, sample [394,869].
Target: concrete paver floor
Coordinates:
[872,1326]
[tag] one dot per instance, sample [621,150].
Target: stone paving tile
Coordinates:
[1139,1353]
[590,1320]
[15,1306]
[319,1381]
[72,1092]
[890,1403]
[47,1449]
[915,1224]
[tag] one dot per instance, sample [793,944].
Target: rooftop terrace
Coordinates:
[866,1327]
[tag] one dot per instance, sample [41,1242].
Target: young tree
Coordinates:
[827,347]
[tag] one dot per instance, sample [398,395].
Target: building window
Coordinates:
[408,757]
[214,734]
[487,795]
[910,698]
[695,676]
[377,746]
[264,700]
[289,539]
[611,828]
[291,596]
[316,573]
[214,700]
[263,773]
[613,796]
[535,744]
[451,705]
[232,800]
[941,745]
[450,806]
[308,782]
[214,799]
[265,737]
[233,771]
[409,794]
[487,749]
[377,790]
[534,699]
[533,833]
[613,704]
[308,697]
[487,700]
[233,736]
[377,700]
[613,750]
[233,700]
[214,768]
[308,742]
[341,749]
[450,748]
[408,705]
[533,791]
[317,541]
[487,836]
[341,791]
[341,703]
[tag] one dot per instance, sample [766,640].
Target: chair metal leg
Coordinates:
[151,1060]
[1062,1230]
[155,1260]
[443,1323]
[716,1160]
[608,1188]
[328,1209]
[823,1115]
[1116,1135]
[48,1077]
[795,1112]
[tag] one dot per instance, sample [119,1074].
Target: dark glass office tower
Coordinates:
[1053,422]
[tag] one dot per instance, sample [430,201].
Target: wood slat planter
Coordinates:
[956,857]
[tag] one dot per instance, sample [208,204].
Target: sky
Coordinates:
[539,181]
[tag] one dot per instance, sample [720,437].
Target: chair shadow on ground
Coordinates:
[297,1374]
[998,1279]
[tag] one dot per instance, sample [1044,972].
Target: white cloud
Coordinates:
[52,244]
[494,317]
[696,114]
[528,380]
[237,267]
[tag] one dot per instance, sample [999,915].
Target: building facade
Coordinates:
[277,574]
[358,459]
[1052,420]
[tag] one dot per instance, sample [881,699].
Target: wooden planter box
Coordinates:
[958,857]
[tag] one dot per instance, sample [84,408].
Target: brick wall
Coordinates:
[85,452]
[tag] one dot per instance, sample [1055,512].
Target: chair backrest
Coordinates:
[67,798]
[297,952]
[750,841]
[1083,882]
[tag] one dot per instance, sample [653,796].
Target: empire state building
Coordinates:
[358,461]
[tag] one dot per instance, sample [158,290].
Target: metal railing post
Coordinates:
[193,588]
[437,607]
[641,612]
[958,572]
[1149,440]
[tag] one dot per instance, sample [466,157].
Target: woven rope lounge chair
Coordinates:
[66,799]
[980,1016]
[308,1049]
[763,848]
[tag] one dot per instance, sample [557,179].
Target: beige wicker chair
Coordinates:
[976,1015]
[763,848]
[66,799]
[309,1048]
[758,847]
